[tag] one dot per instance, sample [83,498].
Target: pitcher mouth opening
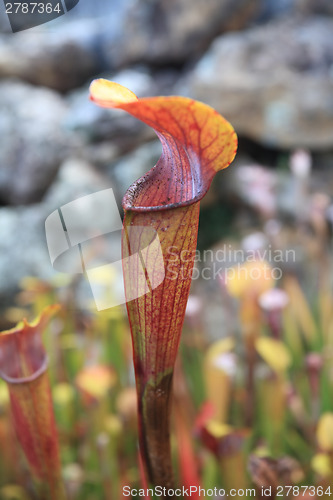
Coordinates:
[129,198]
[30,378]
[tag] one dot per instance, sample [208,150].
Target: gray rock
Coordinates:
[160,31]
[270,9]
[316,6]
[131,167]
[75,178]
[86,9]
[61,59]
[23,248]
[274,83]
[106,36]
[32,141]
[65,53]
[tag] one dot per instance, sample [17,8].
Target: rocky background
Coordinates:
[266,65]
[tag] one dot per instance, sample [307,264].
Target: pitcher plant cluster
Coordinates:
[250,410]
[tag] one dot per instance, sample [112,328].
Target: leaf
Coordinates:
[160,227]
[320,463]
[219,369]
[325,432]
[300,308]
[188,463]
[253,277]
[95,381]
[275,353]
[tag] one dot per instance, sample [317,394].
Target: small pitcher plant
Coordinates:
[23,366]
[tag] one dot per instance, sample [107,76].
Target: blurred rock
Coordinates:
[86,9]
[131,167]
[100,154]
[33,143]
[171,32]
[99,36]
[316,6]
[23,249]
[75,178]
[67,52]
[4,23]
[274,83]
[61,59]
[270,9]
